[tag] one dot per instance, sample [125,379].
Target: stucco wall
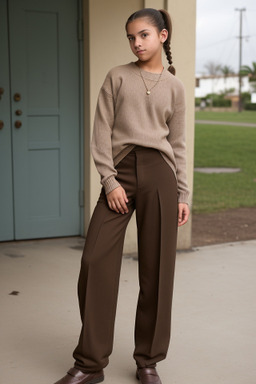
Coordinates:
[184,49]
[106,45]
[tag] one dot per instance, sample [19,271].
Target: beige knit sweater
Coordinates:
[126,116]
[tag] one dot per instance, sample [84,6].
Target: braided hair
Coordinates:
[161,20]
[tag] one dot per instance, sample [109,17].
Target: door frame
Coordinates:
[81,110]
[81,117]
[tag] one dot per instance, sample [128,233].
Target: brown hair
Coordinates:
[161,20]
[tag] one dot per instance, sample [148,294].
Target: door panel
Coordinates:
[42,58]
[6,187]
[44,73]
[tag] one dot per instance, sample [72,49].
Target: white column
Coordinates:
[183,54]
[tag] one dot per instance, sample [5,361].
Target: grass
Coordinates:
[224,146]
[243,117]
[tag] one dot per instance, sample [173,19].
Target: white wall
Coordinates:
[183,50]
[220,84]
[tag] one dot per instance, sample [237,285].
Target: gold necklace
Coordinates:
[148,90]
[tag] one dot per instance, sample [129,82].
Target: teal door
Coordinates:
[39,139]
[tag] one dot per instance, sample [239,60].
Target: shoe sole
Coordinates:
[137,376]
[96,380]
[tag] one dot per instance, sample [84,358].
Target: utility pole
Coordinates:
[240,37]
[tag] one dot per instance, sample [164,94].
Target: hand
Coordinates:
[117,200]
[183,214]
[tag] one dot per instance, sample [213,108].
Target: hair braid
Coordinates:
[168,53]
[167,43]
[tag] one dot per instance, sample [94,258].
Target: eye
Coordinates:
[130,38]
[144,35]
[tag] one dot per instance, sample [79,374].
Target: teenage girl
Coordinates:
[138,146]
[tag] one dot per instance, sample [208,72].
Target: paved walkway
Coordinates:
[213,323]
[211,122]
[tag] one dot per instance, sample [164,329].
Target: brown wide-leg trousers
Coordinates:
[151,188]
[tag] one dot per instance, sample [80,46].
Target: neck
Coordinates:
[148,66]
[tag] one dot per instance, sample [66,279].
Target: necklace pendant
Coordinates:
[148,92]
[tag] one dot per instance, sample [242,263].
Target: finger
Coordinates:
[182,222]
[125,196]
[180,216]
[123,200]
[186,214]
[184,217]
[112,206]
[123,205]
[115,208]
[119,206]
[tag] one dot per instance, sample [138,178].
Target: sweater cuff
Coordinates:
[184,198]
[110,184]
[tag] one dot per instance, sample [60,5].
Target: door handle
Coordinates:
[1,92]
[18,124]
[1,124]
[17,97]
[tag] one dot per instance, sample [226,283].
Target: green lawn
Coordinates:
[243,117]
[224,146]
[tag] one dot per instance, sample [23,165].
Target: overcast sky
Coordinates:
[218,29]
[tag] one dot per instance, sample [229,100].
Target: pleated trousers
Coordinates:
[151,188]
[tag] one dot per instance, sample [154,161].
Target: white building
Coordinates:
[219,84]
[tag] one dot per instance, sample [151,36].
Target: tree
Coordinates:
[249,71]
[227,92]
[213,68]
[226,70]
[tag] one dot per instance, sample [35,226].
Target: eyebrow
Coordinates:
[143,30]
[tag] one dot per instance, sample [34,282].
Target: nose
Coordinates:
[137,43]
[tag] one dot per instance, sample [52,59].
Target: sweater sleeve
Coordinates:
[101,145]
[177,140]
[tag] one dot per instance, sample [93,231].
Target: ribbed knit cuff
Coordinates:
[184,198]
[110,184]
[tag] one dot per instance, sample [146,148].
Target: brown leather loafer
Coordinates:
[74,376]
[148,376]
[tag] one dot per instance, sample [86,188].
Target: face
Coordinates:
[145,39]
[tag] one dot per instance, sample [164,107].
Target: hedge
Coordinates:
[221,103]
[250,106]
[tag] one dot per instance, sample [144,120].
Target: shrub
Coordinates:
[221,103]
[246,97]
[250,106]
[197,101]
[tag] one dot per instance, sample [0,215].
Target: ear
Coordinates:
[163,35]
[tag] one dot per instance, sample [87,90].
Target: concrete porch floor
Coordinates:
[213,322]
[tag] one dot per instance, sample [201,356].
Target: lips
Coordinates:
[140,51]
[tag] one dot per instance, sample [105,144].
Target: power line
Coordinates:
[217,42]
[227,48]
[248,28]
[224,40]
[229,52]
